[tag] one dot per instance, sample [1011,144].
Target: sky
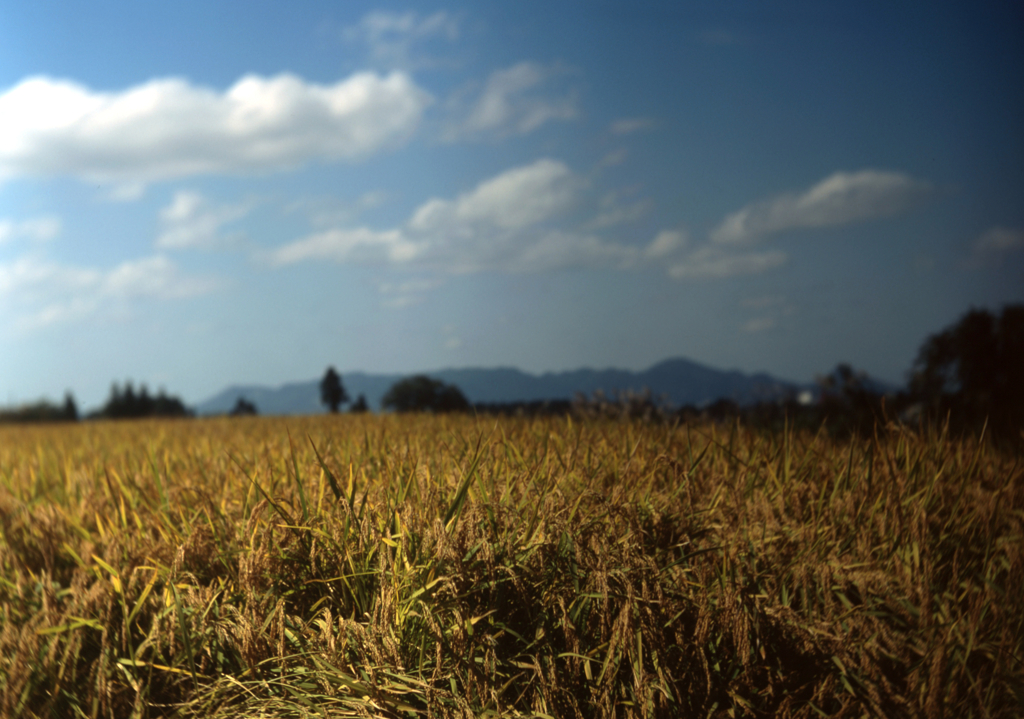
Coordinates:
[200,194]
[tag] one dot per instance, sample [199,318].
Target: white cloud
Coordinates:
[840,199]
[514,199]
[629,125]
[998,240]
[28,279]
[713,262]
[192,221]
[169,128]
[613,212]
[396,40]
[359,244]
[39,229]
[514,101]
[667,242]
[504,223]
[38,292]
[561,249]
[155,277]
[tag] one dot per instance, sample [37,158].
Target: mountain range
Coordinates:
[678,381]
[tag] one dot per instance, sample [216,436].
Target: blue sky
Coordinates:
[199,194]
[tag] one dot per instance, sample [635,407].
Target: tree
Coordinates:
[127,404]
[423,394]
[42,411]
[974,370]
[70,411]
[244,407]
[848,400]
[451,399]
[359,406]
[332,391]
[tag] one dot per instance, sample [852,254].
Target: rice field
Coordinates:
[449,566]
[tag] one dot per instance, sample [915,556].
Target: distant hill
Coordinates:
[680,381]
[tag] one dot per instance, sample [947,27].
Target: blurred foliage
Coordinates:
[973,371]
[243,408]
[423,394]
[128,404]
[332,391]
[43,411]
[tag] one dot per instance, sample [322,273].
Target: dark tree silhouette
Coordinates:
[42,411]
[423,394]
[332,391]
[359,406]
[126,404]
[974,370]
[70,408]
[243,407]
[848,401]
[451,399]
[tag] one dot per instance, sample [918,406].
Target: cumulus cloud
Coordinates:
[559,249]
[998,240]
[711,262]
[514,101]
[192,221]
[156,277]
[504,223]
[397,40]
[359,244]
[38,292]
[39,229]
[170,128]
[28,279]
[840,199]
[666,243]
[514,199]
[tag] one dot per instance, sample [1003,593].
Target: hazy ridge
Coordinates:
[680,381]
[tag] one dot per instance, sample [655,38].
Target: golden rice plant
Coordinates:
[404,566]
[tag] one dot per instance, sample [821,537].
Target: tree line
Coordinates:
[124,403]
[969,376]
[418,393]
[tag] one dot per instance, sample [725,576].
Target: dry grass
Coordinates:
[450,567]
